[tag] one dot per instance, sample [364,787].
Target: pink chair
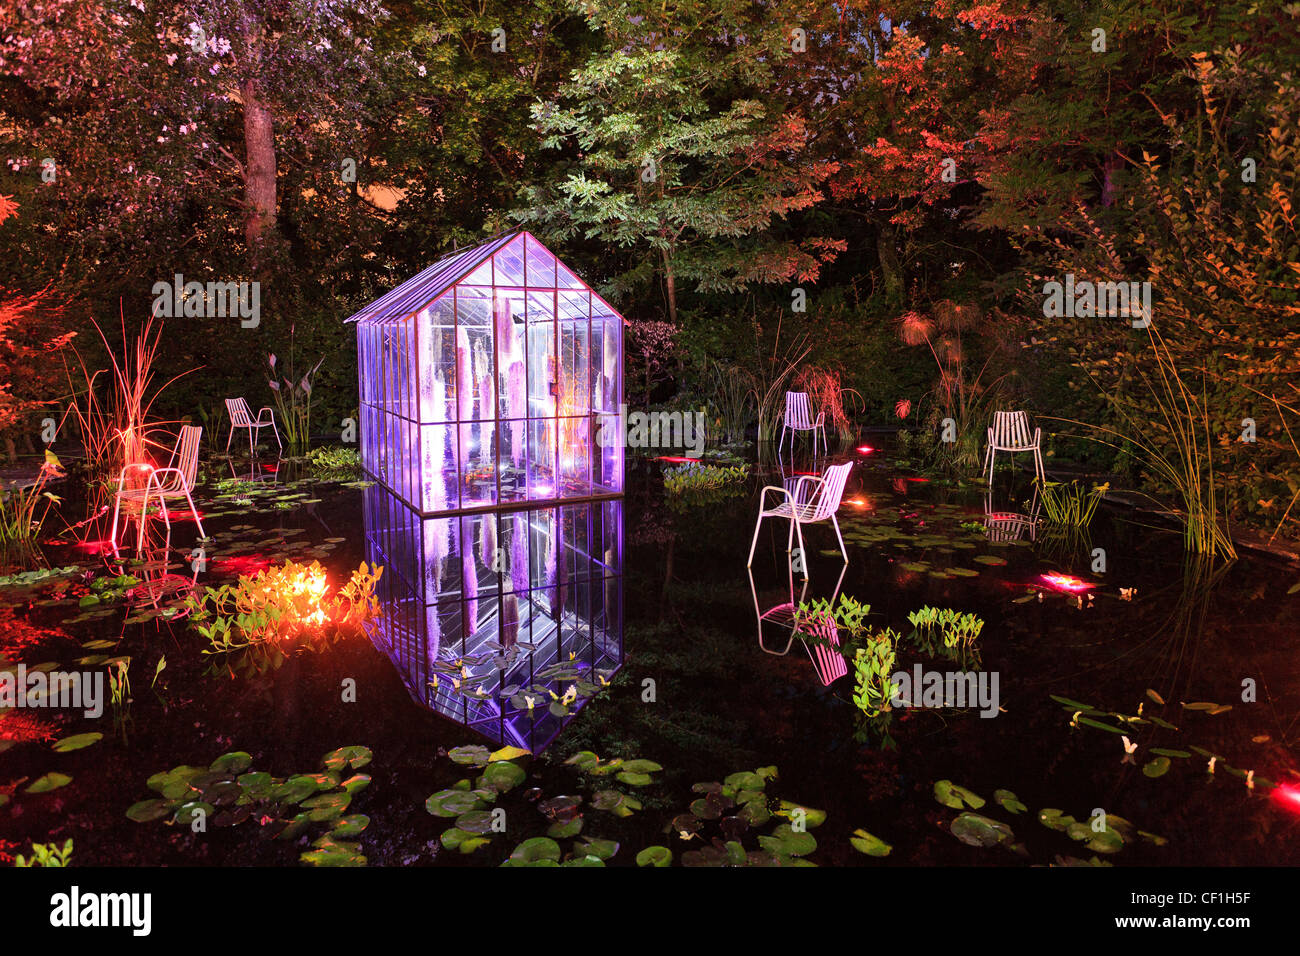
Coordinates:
[798,418]
[814,499]
[242,417]
[174,481]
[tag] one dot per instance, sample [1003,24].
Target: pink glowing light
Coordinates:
[672,459]
[1066,582]
[865,449]
[1287,795]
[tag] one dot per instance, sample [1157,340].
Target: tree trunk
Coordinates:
[259,173]
[889,265]
[670,286]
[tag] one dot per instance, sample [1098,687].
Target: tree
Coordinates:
[680,149]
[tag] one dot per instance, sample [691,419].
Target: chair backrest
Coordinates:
[239,412]
[1011,430]
[798,413]
[186,455]
[831,491]
[827,659]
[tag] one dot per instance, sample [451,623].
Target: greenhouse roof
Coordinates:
[421,290]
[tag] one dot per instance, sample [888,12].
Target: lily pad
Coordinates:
[951,795]
[864,842]
[77,742]
[655,856]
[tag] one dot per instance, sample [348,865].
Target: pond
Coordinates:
[1145,709]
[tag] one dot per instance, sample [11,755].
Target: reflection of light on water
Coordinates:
[865,449]
[1066,582]
[675,460]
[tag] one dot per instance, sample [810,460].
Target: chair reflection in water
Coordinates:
[1011,525]
[487,614]
[818,633]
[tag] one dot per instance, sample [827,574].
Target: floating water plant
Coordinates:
[228,793]
[956,628]
[700,477]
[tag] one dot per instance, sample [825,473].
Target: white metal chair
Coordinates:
[798,418]
[1010,433]
[174,481]
[814,499]
[242,417]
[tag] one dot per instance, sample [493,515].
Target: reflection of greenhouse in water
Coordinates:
[486,614]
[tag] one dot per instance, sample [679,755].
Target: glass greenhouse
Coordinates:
[486,380]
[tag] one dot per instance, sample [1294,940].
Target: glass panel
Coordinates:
[541,264]
[509,264]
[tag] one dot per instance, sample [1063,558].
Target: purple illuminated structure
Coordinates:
[488,612]
[486,381]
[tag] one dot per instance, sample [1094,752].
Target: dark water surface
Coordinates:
[1190,632]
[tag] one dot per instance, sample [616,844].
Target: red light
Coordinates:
[678,461]
[1288,796]
[1066,582]
[865,449]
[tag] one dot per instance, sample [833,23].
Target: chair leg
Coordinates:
[1038,463]
[250,443]
[843,550]
[230,437]
[803,551]
[276,431]
[754,544]
[993,463]
[195,511]
[117,506]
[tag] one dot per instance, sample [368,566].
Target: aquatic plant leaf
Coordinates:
[452,803]
[871,845]
[475,821]
[470,756]
[1099,725]
[48,782]
[1156,697]
[508,753]
[1008,801]
[76,742]
[1156,767]
[974,829]
[951,795]
[350,826]
[655,856]
[535,850]
[563,829]
[356,783]
[502,776]
[786,841]
[1054,819]
[235,762]
[634,779]
[148,810]
[600,848]
[1072,704]
[1170,753]
[745,780]
[811,816]
[354,758]
[462,841]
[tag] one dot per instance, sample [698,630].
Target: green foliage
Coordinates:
[46,854]
[698,477]
[956,629]
[1071,503]
[873,666]
[334,463]
[228,793]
